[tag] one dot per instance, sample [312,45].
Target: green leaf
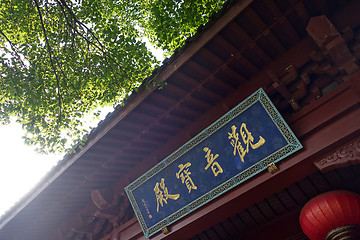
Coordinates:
[64,59]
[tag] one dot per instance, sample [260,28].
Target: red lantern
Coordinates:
[332,215]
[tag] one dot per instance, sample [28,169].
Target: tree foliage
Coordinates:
[60,59]
[168,23]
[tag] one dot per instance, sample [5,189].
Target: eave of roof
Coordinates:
[230,10]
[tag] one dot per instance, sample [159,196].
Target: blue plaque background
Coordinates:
[261,119]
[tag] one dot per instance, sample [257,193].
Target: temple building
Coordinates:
[298,60]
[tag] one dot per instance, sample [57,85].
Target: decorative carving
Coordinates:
[343,157]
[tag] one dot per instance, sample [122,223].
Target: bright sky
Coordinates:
[21,168]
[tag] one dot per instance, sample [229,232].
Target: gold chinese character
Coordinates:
[215,167]
[184,175]
[162,194]
[247,139]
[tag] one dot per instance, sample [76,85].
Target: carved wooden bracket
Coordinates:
[105,210]
[280,86]
[343,157]
[87,229]
[332,43]
[89,226]
[99,200]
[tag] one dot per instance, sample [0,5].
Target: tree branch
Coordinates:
[13,47]
[99,46]
[51,60]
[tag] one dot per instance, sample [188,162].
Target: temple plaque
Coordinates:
[236,147]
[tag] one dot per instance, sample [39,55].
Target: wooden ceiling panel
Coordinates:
[230,77]
[257,57]
[285,32]
[161,100]
[208,96]
[92,159]
[140,145]
[315,9]
[265,208]
[174,116]
[222,48]
[141,117]
[108,176]
[297,195]
[267,46]
[221,231]
[238,223]
[128,126]
[286,199]
[308,188]
[234,39]
[246,68]
[252,28]
[195,70]
[299,19]
[284,5]
[200,106]
[150,110]
[267,10]
[276,205]
[183,81]
[211,234]
[184,113]
[120,164]
[172,124]
[202,236]
[229,228]
[208,59]
[220,88]
[156,139]
[174,92]
[258,216]
[247,219]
